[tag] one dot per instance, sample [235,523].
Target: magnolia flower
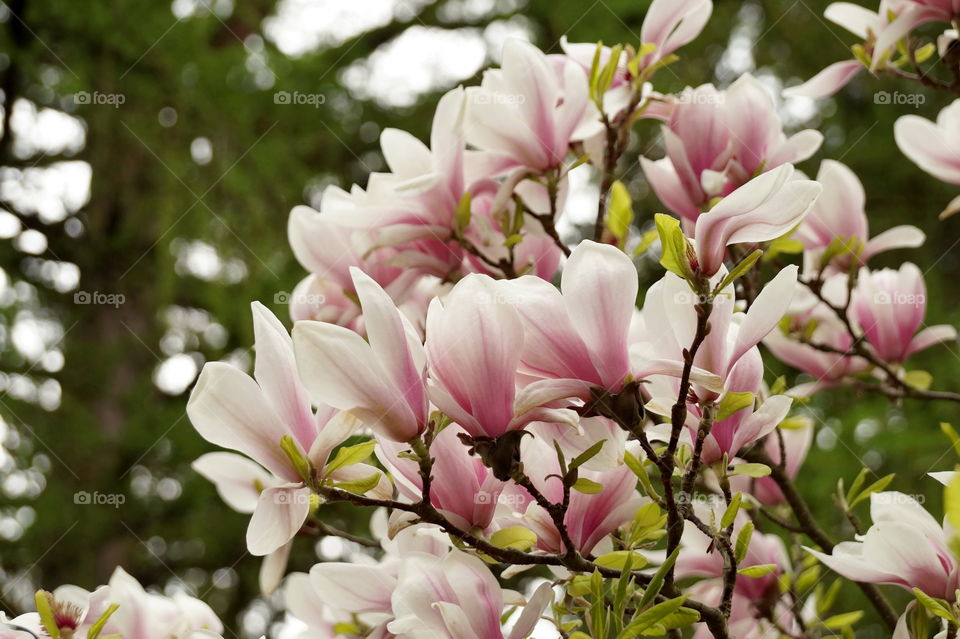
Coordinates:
[589,517]
[668,25]
[578,337]
[879,31]
[474,343]
[933,146]
[329,249]
[463,488]
[455,597]
[828,368]
[381,382]
[252,416]
[763,209]
[905,546]
[717,141]
[889,307]
[527,112]
[701,558]
[729,351]
[796,444]
[839,212]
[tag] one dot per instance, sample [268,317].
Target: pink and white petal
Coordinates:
[280,513]
[228,409]
[931,336]
[339,369]
[827,82]
[406,156]
[926,145]
[670,24]
[538,603]
[275,370]
[235,477]
[303,602]
[665,182]
[766,311]
[390,342]
[333,432]
[854,18]
[273,568]
[352,587]
[904,236]
[599,285]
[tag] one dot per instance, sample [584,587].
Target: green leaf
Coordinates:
[674,246]
[350,455]
[651,616]
[952,435]
[620,218]
[730,514]
[292,451]
[751,470]
[730,403]
[517,537]
[923,53]
[656,582]
[462,214]
[936,607]
[618,559]
[740,269]
[587,486]
[587,455]
[843,620]
[97,628]
[760,570]
[743,541]
[346,628]
[359,486]
[856,485]
[682,618]
[951,501]
[918,379]
[875,487]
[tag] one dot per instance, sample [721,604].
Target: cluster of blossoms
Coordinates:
[121,608]
[500,422]
[620,439]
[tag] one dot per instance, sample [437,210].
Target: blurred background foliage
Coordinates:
[148,154]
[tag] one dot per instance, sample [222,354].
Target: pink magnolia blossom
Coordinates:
[251,416]
[889,306]
[729,351]
[828,369]
[839,212]
[455,597]
[527,112]
[463,488]
[763,209]
[701,558]
[589,518]
[578,337]
[381,382]
[717,141]
[474,343]
[796,444]
[905,546]
[933,146]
